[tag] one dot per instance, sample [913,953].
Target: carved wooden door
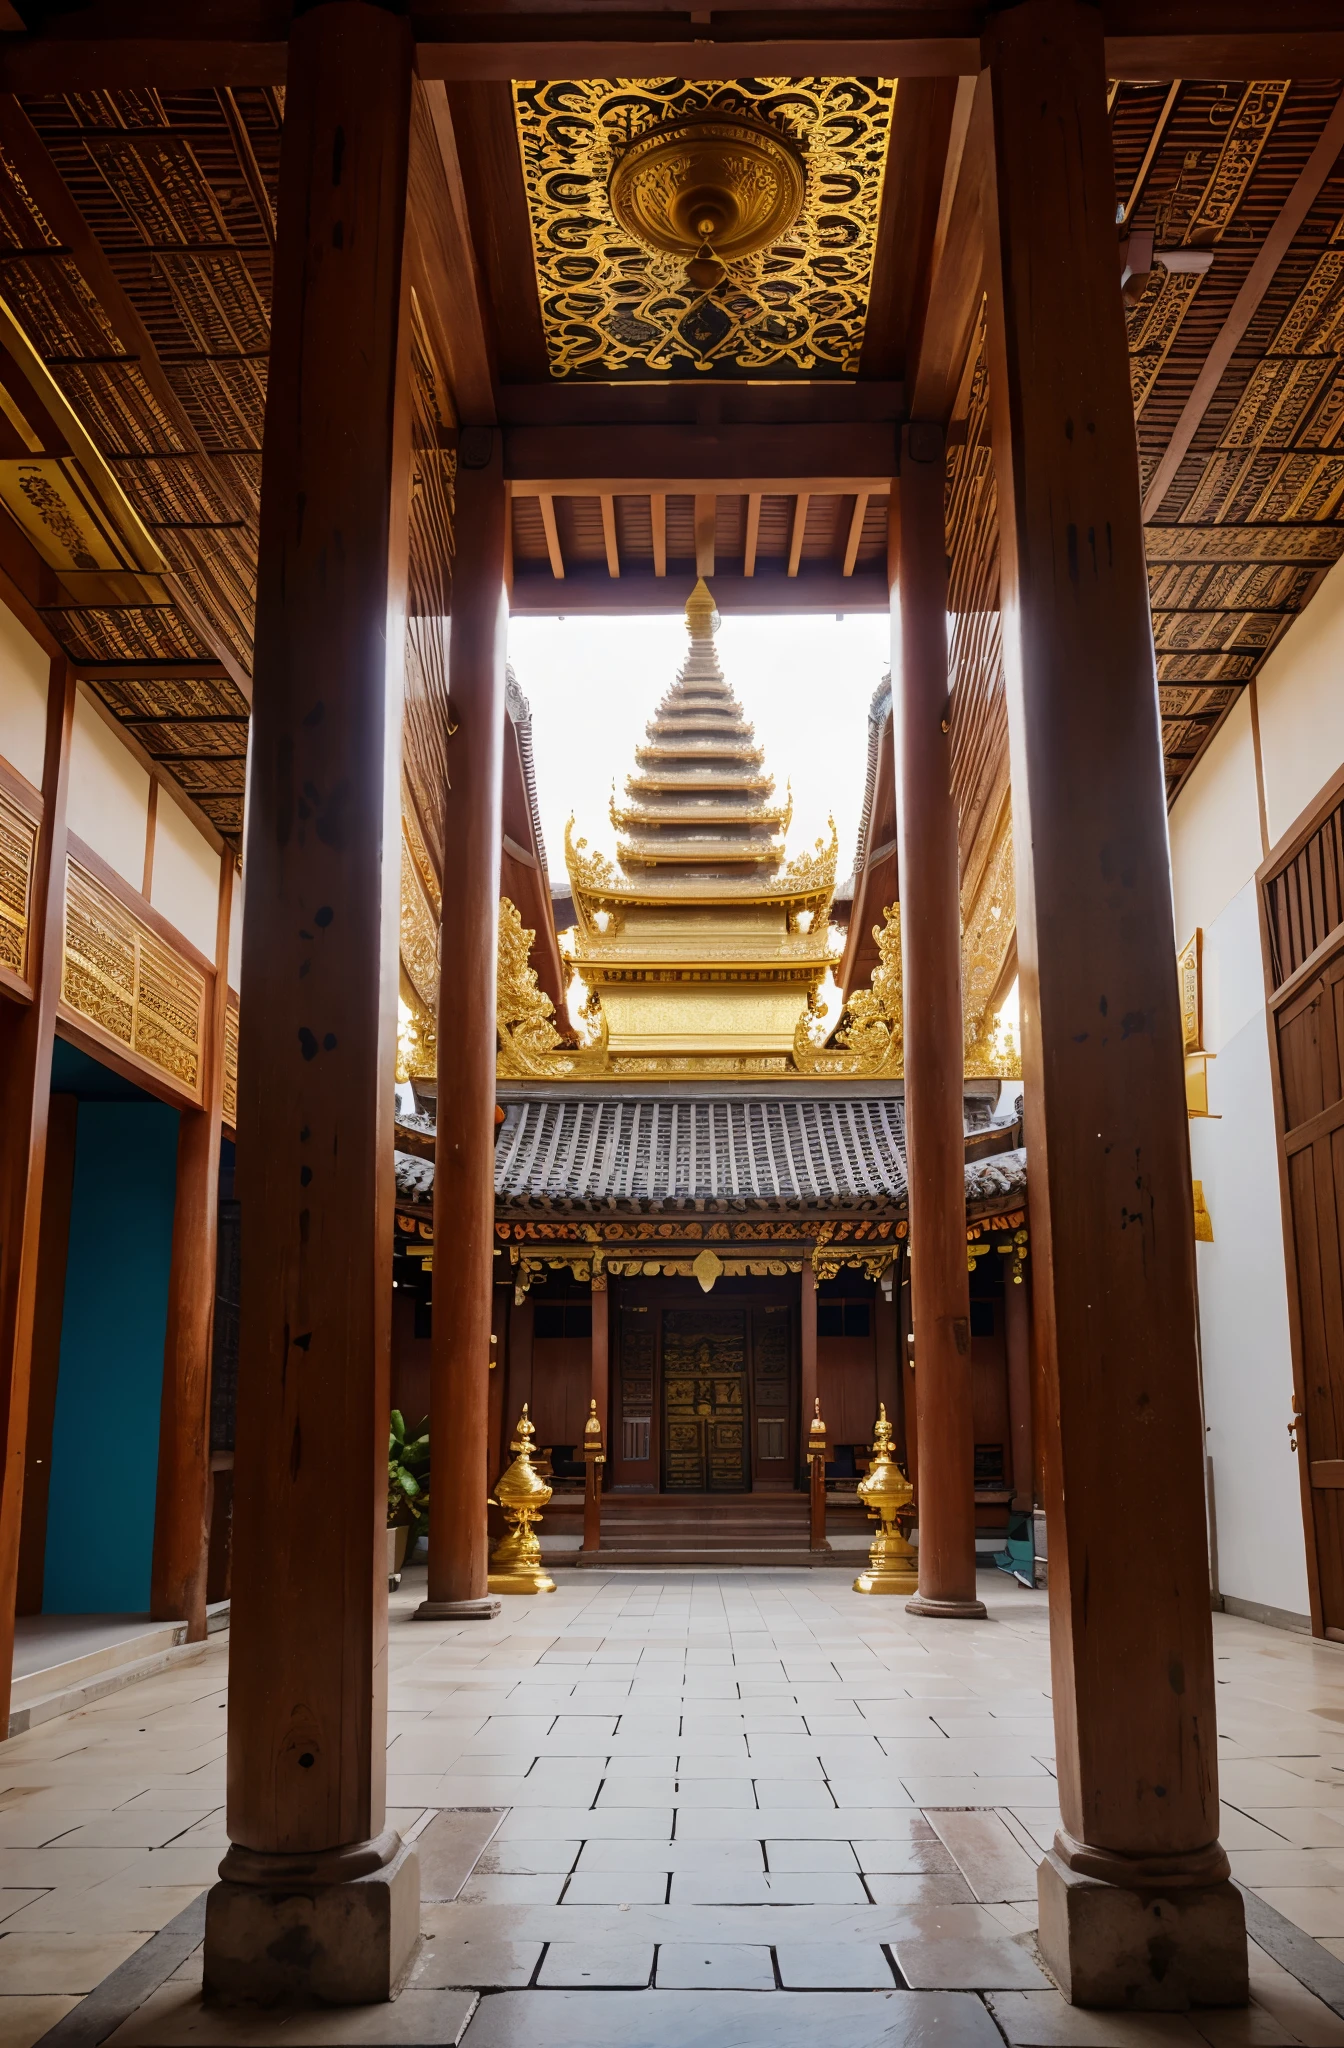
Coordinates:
[704,1401]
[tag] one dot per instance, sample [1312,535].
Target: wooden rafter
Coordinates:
[706,507]
[753,533]
[856,519]
[552,535]
[797,531]
[609,534]
[658,530]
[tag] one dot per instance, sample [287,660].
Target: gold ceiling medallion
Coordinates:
[711,188]
[613,196]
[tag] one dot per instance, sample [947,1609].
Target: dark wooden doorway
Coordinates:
[705,1401]
[1302,926]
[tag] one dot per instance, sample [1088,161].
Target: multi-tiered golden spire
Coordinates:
[699,793]
[702,947]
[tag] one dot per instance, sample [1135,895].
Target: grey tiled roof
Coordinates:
[634,1154]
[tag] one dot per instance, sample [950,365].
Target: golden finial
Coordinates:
[702,617]
[592,1427]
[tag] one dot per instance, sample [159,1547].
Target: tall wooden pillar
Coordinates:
[934,1115]
[807,1361]
[1136,1908]
[464,1150]
[1017,1343]
[27,1034]
[177,1589]
[318,1898]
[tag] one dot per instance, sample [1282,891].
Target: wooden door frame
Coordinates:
[1279,857]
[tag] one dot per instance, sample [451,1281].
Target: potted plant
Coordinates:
[407,1489]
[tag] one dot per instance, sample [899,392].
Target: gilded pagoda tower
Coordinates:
[701,944]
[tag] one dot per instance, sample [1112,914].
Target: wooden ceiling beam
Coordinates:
[658,522]
[798,529]
[938,351]
[856,519]
[753,534]
[1257,282]
[706,508]
[589,589]
[446,273]
[552,533]
[921,125]
[636,459]
[609,534]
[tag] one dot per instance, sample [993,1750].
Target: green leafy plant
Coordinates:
[407,1473]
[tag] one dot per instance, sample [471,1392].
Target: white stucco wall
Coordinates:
[1301,691]
[1216,847]
[24,672]
[109,795]
[184,885]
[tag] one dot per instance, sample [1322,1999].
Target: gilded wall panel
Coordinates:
[130,983]
[231,1061]
[18,850]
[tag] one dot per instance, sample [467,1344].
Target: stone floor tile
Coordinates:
[798,1794]
[630,1824]
[789,1854]
[104,1909]
[833,1966]
[718,1966]
[174,2017]
[1285,1866]
[509,1889]
[24,2019]
[526,1858]
[1316,1909]
[1282,1826]
[905,1859]
[617,1888]
[936,1890]
[678,1855]
[988,1855]
[1042,2019]
[1303,2016]
[14,1900]
[690,2019]
[444,1962]
[589,1965]
[992,1964]
[58,1963]
[785,1888]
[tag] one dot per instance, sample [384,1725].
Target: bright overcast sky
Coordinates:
[806,684]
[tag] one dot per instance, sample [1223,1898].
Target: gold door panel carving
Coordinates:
[18,848]
[704,1402]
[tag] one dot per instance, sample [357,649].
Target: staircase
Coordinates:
[708,1530]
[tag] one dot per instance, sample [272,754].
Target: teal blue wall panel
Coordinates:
[100,1525]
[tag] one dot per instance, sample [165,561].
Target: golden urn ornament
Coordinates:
[885,1492]
[522,1493]
[711,186]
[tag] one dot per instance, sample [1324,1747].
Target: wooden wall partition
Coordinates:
[27,1034]
[1301,895]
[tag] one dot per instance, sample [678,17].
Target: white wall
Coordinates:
[1216,846]
[1301,690]
[109,795]
[184,885]
[24,671]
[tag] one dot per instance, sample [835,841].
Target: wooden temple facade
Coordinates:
[330,333]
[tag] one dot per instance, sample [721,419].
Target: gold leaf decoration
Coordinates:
[530,1047]
[129,983]
[871,1040]
[613,308]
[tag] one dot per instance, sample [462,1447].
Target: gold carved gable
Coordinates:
[612,308]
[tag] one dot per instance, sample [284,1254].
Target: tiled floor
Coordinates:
[751,1806]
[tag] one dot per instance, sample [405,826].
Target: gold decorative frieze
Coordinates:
[129,983]
[612,306]
[18,850]
[419,928]
[988,925]
[231,1061]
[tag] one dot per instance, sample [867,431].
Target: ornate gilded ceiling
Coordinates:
[613,309]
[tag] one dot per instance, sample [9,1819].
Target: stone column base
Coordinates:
[1141,1951]
[484,1609]
[295,1943]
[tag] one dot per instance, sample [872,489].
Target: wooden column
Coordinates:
[1017,1340]
[319,1899]
[182,1510]
[934,1117]
[600,1383]
[807,1361]
[1135,1904]
[464,1149]
[27,1034]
